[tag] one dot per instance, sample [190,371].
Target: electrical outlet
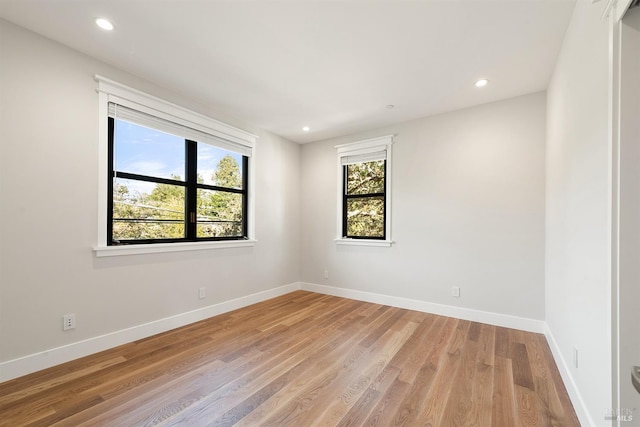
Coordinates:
[68,322]
[455,291]
[326,273]
[202,292]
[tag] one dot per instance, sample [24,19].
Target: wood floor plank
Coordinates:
[114,381]
[415,399]
[7,399]
[503,411]
[416,358]
[309,357]
[359,379]
[304,359]
[502,342]
[387,406]
[481,402]
[416,344]
[457,411]
[522,375]
[211,403]
[363,407]
[527,410]
[150,394]
[437,396]
[291,410]
[387,410]
[53,375]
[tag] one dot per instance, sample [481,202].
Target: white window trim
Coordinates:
[110,91]
[155,248]
[359,148]
[362,242]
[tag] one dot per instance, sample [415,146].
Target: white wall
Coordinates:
[468,211]
[578,206]
[629,294]
[48,212]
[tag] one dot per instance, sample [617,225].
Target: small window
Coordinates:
[364,213]
[364,204]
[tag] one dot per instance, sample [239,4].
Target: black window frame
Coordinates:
[346,197]
[191,185]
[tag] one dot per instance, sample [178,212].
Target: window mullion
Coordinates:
[384,202]
[364,196]
[345,172]
[111,126]
[191,199]
[146,178]
[245,193]
[225,189]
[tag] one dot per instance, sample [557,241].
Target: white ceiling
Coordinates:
[329,65]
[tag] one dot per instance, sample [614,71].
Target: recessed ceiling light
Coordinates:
[306,129]
[389,107]
[482,83]
[105,24]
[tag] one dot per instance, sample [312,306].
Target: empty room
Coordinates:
[331,213]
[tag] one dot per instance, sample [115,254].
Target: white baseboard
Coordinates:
[504,320]
[55,356]
[574,394]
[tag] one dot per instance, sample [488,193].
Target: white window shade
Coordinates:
[208,130]
[363,157]
[368,150]
[121,112]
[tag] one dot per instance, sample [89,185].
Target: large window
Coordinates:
[171,177]
[364,208]
[165,188]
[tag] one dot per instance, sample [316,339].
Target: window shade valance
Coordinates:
[369,150]
[363,157]
[138,107]
[121,112]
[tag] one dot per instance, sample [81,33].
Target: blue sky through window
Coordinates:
[145,151]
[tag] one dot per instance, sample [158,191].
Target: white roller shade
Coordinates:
[121,112]
[363,157]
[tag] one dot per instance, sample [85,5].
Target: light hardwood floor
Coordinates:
[304,359]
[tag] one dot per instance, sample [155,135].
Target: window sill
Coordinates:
[363,242]
[104,251]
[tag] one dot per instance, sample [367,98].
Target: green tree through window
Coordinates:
[364,200]
[220,212]
[149,205]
